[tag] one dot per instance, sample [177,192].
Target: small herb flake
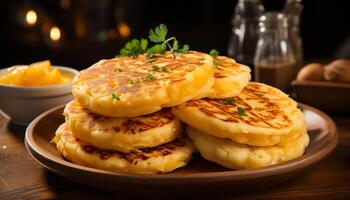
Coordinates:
[241,111]
[155,68]
[130,81]
[115,97]
[230,101]
[164,69]
[214,53]
[150,77]
[134,81]
[159,69]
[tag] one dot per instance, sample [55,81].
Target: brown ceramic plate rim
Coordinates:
[325,84]
[284,167]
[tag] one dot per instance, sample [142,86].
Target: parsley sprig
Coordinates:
[158,36]
[134,47]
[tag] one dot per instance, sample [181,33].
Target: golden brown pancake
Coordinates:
[271,116]
[230,78]
[134,86]
[160,159]
[233,155]
[122,133]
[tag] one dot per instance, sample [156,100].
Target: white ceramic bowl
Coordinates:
[23,103]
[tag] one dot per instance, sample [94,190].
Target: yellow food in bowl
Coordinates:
[39,73]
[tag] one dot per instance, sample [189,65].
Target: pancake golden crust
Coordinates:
[160,159]
[272,117]
[230,78]
[240,156]
[122,134]
[128,87]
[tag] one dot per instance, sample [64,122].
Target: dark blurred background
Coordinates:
[78,33]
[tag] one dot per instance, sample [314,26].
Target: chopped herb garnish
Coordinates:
[115,97]
[132,81]
[138,80]
[159,69]
[241,111]
[150,77]
[230,101]
[164,69]
[155,68]
[214,53]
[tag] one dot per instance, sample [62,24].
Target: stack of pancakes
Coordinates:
[127,112]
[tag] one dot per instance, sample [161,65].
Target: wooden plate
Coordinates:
[199,176]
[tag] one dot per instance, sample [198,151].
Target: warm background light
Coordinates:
[55,33]
[31,17]
[124,29]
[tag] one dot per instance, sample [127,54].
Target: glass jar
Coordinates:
[293,10]
[274,58]
[245,31]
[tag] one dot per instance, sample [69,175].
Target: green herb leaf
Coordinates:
[134,47]
[143,44]
[115,97]
[151,57]
[185,48]
[241,111]
[164,69]
[151,77]
[214,53]
[131,81]
[135,81]
[230,101]
[158,34]
[155,68]
[175,45]
[158,48]
[158,69]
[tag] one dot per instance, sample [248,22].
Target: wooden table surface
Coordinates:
[21,177]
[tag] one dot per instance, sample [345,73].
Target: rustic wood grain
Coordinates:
[21,177]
